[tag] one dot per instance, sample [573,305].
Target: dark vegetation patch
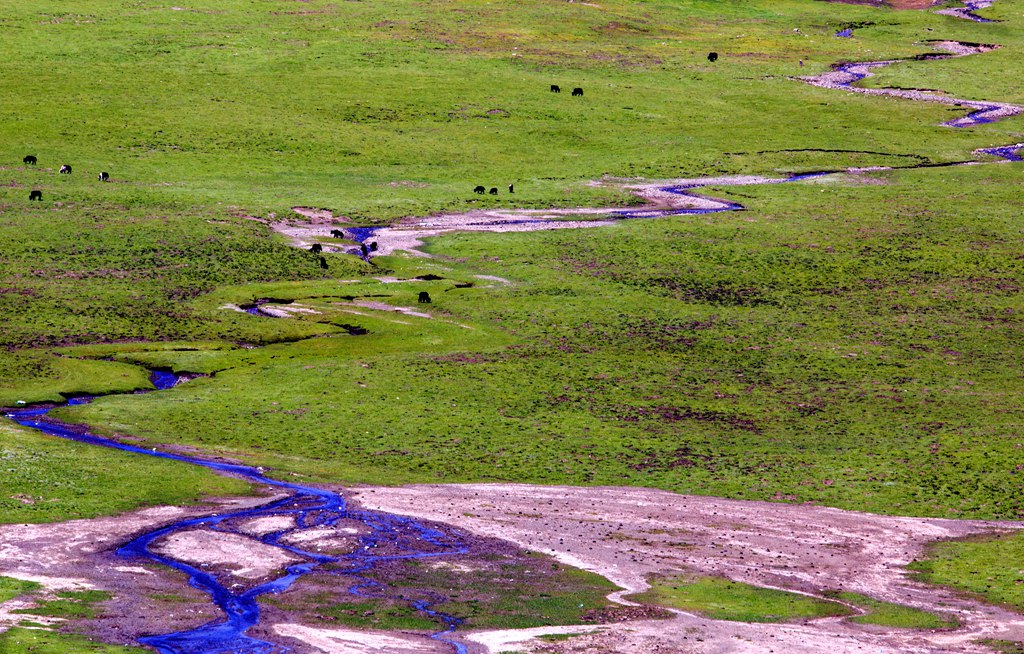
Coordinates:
[498,587]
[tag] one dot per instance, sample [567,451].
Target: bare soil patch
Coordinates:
[345,641]
[239,556]
[319,216]
[624,534]
[409,234]
[628,534]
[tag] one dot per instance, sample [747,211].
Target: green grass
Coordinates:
[990,568]
[1003,646]
[24,380]
[862,359]
[11,588]
[724,599]
[39,638]
[18,640]
[369,614]
[70,605]
[847,342]
[520,598]
[45,479]
[888,614]
[343,105]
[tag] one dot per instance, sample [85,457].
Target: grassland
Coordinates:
[46,479]
[887,614]
[752,355]
[267,105]
[11,588]
[20,640]
[843,343]
[724,599]
[492,591]
[850,342]
[988,568]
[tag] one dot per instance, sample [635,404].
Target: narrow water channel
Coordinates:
[381,537]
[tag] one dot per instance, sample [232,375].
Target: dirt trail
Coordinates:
[627,534]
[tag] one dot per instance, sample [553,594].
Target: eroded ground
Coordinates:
[627,534]
[623,534]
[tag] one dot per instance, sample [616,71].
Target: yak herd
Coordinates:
[65,169]
[316,248]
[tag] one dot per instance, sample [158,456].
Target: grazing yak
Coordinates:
[479,189]
[424,297]
[323,263]
[577,91]
[555,89]
[337,233]
[104,177]
[29,160]
[712,57]
[494,190]
[316,248]
[66,169]
[511,188]
[35,195]
[373,246]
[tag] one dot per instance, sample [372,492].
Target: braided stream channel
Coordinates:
[381,537]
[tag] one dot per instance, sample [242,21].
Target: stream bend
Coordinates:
[382,537]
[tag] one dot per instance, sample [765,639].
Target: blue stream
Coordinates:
[975,117]
[384,537]
[1008,152]
[973,7]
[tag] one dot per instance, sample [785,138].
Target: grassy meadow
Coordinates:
[723,599]
[846,341]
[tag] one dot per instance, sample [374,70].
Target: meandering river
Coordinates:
[385,537]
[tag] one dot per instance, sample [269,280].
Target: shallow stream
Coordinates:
[381,537]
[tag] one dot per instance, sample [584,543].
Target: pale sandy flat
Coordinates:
[629,534]
[242,556]
[267,525]
[342,641]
